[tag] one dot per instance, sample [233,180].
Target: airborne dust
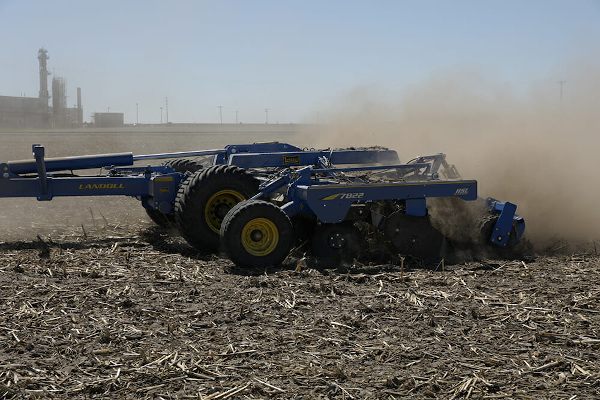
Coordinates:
[522,144]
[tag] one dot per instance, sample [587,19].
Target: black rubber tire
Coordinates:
[337,242]
[257,217]
[198,214]
[160,219]
[183,165]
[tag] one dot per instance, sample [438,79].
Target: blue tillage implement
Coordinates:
[251,198]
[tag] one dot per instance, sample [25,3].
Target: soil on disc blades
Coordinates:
[135,313]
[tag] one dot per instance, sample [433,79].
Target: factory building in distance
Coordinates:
[41,113]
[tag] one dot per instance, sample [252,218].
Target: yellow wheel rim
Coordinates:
[218,205]
[260,237]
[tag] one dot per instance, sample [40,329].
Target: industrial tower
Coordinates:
[43,56]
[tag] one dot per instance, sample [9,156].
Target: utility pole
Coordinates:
[220,113]
[137,114]
[161,115]
[266,116]
[167,108]
[561,83]
[236,116]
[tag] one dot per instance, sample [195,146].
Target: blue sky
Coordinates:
[295,58]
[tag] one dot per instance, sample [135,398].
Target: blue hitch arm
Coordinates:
[285,178]
[272,186]
[288,178]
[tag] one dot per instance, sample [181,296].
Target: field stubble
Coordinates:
[132,312]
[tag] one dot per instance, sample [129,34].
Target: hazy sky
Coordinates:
[296,58]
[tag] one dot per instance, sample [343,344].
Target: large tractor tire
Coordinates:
[182,165]
[204,199]
[257,234]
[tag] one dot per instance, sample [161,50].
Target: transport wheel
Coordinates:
[182,165]
[337,242]
[204,199]
[257,233]
[415,236]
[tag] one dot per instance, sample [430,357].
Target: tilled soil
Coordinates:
[127,313]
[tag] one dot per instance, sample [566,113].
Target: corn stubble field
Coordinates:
[98,303]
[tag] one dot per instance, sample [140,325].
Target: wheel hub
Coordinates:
[219,205]
[336,240]
[260,237]
[256,235]
[222,209]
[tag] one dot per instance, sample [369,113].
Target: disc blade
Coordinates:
[415,236]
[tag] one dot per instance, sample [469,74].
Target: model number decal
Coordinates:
[461,192]
[353,196]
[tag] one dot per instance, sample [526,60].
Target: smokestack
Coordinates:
[43,56]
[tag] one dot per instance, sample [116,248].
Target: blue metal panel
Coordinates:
[331,202]
[264,160]
[269,147]
[19,187]
[101,186]
[416,207]
[507,220]
[283,159]
[80,186]
[261,147]
[503,227]
[163,189]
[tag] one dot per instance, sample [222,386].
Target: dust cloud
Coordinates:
[522,144]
